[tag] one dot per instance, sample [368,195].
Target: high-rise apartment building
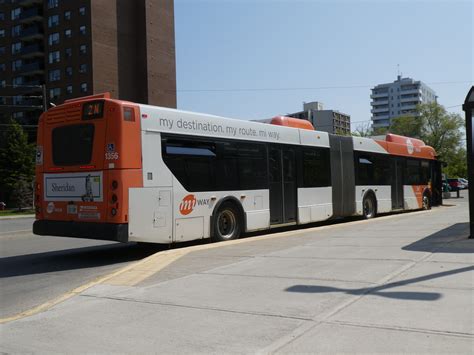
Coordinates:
[324,120]
[398,99]
[81,47]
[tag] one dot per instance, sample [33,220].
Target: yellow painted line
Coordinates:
[144,270]
[139,271]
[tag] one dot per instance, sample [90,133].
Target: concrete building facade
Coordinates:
[324,120]
[82,47]
[398,99]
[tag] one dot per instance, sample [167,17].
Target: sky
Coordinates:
[252,59]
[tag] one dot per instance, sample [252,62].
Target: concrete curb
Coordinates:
[18,217]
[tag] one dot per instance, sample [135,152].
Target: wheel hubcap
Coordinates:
[226,224]
[368,208]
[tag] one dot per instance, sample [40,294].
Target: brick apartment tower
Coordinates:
[81,47]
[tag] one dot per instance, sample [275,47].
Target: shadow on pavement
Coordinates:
[453,239]
[378,291]
[80,258]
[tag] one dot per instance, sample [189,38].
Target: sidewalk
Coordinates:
[398,283]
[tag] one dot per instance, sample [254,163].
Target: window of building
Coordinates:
[3,67]
[3,50]
[54,57]
[17,100]
[53,21]
[67,15]
[83,68]
[3,83]
[82,11]
[82,30]
[2,33]
[69,89]
[16,64]
[53,38]
[18,115]
[53,3]
[54,93]
[17,80]
[84,87]
[68,52]
[16,30]
[16,13]
[54,75]
[68,33]
[69,71]
[16,47]
[83,49]
[2,16]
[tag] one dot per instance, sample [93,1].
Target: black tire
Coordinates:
[426,202]
[226,223]
[369,206]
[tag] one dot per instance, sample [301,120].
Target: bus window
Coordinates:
[72,145]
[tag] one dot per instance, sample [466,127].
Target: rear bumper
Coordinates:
[102,231]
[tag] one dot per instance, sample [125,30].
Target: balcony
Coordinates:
[32,32]
[410,91]
[31,15]
[375,96]
[379,103]
[408,107]
[30,2]
[380,110]
[380,117]
[32,68]
[410,99]
[33,50]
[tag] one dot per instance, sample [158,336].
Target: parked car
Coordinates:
[456,184]
[465,182]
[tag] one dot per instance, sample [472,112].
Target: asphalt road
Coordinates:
[35,269]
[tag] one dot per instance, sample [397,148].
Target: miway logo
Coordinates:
[189,202]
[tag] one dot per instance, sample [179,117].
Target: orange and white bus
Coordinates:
[116,170]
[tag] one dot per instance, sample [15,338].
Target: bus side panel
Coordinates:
[413,196]
[314,204]
[383,195]
[150,214]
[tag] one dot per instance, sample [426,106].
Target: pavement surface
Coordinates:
[35,269]
[398,283]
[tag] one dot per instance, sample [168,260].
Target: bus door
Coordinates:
[282,167]
[397,183]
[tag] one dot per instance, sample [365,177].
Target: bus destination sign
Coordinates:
[92,110]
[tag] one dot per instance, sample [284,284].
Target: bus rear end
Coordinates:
[88,156]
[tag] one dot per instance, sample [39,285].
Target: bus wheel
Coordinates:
[426,202]
[226,223]
[368,206]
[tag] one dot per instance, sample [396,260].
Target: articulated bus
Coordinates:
[115,170]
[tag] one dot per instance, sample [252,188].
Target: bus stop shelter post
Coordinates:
[468,108]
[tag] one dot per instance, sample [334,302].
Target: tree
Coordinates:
[408,126]
[22,193]
[16,158]
[366,130]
